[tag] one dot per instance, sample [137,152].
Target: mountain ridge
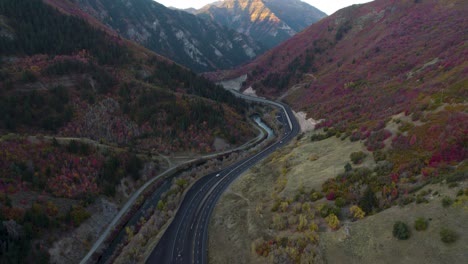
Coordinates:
[199,44]
[268,21]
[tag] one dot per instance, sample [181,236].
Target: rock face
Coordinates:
[267,21]
[197,43]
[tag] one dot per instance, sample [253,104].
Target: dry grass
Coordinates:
[244,214]
[371,241]
[244,211]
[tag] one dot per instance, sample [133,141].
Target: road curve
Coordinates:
[185,240]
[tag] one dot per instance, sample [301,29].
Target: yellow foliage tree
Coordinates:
[333,221]
[357,212]
[302,222]
[284,206]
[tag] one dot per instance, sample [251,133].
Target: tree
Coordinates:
[278,222]
[302,222]
[401,230]
[333,221]
[447,201]
[340,202]
[357,157]
[348,167]
[357,212]
[448,236]
[420,224]
[78,215]
[368,201]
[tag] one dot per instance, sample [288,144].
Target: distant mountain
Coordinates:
[190,10]
[199,44]
[368,62]
[267,21]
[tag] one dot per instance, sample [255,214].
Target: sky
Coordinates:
[327,6]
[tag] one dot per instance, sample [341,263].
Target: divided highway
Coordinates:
[185,240]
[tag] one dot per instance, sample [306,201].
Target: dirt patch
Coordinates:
[250,91]
[220,144]
[235,84]
[307,124]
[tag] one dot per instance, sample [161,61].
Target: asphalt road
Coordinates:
[185,240]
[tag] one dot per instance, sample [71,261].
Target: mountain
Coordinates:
[368,62]
[267,21]
[149,96]
[199,44]
[81,112]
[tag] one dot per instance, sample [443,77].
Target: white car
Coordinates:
[217,175]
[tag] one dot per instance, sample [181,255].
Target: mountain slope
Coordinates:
[84,115]
[150,97]
[267,21]
[368,62]
[199,44]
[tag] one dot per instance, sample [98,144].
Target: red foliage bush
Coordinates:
[331,196]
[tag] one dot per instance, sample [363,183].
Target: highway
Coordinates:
[185,240]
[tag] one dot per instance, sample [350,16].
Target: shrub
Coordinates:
[335,210]
[357,212]
[324,210]
[420,224]
[28,76]
[78,215]
[278,222]
[314,196]
[348,167]
[368,201]
[448,236]
[379,156]
[340,202]
[401,231]
[357,157]
[333,221]
[447,201]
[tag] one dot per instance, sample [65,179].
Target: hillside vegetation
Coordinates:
[389,77]
[83,116]
[368,62]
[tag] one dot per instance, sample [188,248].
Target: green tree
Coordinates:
[448,236]
[368,201]
[348,167]
[401,230]
[357,157]
[420,224]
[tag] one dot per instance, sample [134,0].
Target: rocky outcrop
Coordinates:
[197,43]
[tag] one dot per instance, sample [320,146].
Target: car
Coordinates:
[217,175]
